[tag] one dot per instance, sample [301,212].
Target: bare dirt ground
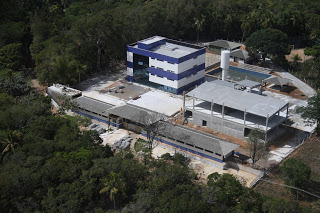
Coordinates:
[299,52]
[36,85]
[289,90]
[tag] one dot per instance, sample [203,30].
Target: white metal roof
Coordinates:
[277,80]
[240,100]
[248,83]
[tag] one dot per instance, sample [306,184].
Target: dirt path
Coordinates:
[36,85]
[299,52]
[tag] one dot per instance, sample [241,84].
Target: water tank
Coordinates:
[225,59]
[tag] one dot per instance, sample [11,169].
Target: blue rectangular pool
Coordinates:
[239,74]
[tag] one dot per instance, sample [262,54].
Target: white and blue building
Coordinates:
[166,64]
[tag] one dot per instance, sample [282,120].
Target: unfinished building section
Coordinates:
[234,112]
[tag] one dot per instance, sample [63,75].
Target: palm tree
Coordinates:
[198,24]
[113,183]
[11,141]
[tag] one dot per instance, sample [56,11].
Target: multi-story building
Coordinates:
[166,64]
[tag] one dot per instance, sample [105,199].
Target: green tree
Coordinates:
[198,24]
[311,112]
[295,172]
[13,83]
[11,139]
[313,51]
[312,66]
[113,183]
[268,42]
[296,59]
[228,189]
[11,56]
[274,205]
[67,103]
[256,144]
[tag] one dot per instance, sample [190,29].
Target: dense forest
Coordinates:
[66,41]
[49,163]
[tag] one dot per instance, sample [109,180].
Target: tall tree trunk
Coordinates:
[99,59]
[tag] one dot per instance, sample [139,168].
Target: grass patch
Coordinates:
[140,145]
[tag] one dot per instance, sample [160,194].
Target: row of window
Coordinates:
[191,145]
[162,60]
[172,79]
[93,112]
[161,77]
[162,69]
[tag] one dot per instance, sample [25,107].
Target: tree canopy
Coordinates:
[268,42]
[312,111]
[295,172]
[67,41]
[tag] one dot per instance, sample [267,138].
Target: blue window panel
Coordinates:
[185,149]
[98,119]
[188,86]
[174,76]
[129,64]
[130,78]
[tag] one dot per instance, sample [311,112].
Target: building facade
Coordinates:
[166,64]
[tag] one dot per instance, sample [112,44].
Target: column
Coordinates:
[267,120]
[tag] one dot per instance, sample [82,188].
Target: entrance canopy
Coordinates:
[277,80]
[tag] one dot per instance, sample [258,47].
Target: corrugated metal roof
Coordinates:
[197,138]
[133,113]
[225,44]
[176,132]
[93,105]
[240,100]
[243,54]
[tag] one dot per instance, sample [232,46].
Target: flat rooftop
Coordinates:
[235,99]
[152,39]
[168,47]
[159,101]
[124,90]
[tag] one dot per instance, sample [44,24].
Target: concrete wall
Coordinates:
[237,166]
[98,117]
[192,149]
[215,123]
[132,127]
